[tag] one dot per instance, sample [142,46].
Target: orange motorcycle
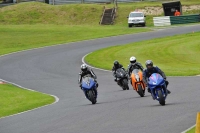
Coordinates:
[137,82]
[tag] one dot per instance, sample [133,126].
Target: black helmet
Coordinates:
[149,64]
[116,63]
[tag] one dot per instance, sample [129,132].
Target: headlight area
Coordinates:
[130,21]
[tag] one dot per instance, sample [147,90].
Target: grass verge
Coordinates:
[15,100]
[176,55]
[191,131]
[19,37]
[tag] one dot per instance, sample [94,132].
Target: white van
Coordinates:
[136,18]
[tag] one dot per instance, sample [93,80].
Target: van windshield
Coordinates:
[136,15]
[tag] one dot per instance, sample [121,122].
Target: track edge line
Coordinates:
[83,61]
[188,129]
[55,97]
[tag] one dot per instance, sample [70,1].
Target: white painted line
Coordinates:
[1,82]
[56,99]
[83,60]
[188,129]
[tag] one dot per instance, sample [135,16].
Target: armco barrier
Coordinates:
[171,20]
[185,19]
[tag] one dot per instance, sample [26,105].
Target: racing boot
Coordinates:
[168,91]
[148,90]
[152,97]
[97,85]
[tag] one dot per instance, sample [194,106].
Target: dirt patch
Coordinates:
[2,82]
[190,8]
[159,10]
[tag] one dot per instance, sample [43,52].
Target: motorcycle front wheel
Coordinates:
[161,98]
[125,84]
[91,96]
[140,91]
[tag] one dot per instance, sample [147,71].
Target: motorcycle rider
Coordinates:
[134,65]
[115,67]
[150,69]
[85,71]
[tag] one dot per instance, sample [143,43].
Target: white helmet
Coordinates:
[83,67]
[132,59]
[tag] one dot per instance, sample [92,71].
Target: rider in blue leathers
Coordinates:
[150,69]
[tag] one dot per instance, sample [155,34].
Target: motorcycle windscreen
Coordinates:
[155,80]
[120,73]
[135,71]
[134,76]
[137,74]
[88,83]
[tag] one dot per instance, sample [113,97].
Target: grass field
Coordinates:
[191,131]
[177,55]
[19,37]
[14,100]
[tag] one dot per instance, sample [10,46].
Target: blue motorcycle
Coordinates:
[158,88]
[89,88]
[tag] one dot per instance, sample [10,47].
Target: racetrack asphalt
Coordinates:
[54,70]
